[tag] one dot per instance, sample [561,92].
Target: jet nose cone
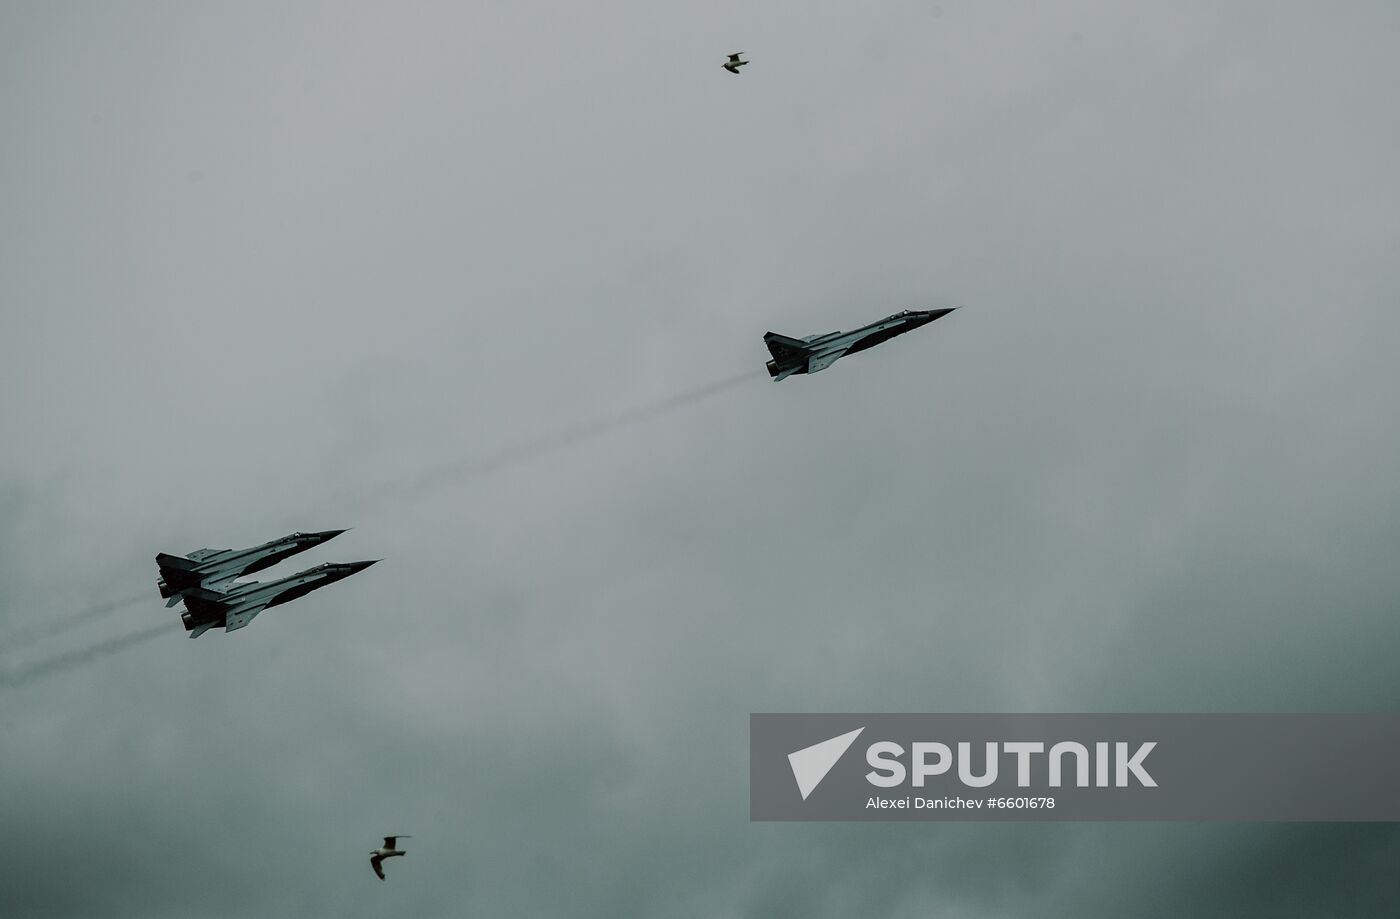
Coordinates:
[356,567]
[330,534]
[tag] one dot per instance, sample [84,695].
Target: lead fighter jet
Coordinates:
[214,569]
[235,607]
[818,352]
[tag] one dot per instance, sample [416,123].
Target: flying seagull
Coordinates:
[390,849]
[734,63]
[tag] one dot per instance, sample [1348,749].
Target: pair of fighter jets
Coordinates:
[207,581]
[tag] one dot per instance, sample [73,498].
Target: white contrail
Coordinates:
[26,634]
[526,450]
[23,676]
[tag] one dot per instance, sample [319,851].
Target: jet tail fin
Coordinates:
[179,573]
[205,603]
[784,348]
[789,355]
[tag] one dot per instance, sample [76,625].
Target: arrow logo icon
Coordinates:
[811,764]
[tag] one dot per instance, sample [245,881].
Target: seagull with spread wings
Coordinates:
[733,64]
[390,849]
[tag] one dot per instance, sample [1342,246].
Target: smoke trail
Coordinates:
[23,635]
[548,443]
[68,660]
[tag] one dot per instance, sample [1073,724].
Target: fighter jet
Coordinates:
[733,64]
[214,569]
[818,352]
[235,607]
[389,851]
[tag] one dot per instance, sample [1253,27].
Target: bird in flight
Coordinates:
[390,849]
[733,64]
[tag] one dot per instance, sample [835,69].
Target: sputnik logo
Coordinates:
[811,764]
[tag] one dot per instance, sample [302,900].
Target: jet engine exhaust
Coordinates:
[69,660]
[27,634]
[548,443]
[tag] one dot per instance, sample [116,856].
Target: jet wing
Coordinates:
[823,361]
[241,618]
[221,584]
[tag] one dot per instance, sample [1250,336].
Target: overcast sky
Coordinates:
[270,267]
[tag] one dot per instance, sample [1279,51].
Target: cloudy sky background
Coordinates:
[264,270]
